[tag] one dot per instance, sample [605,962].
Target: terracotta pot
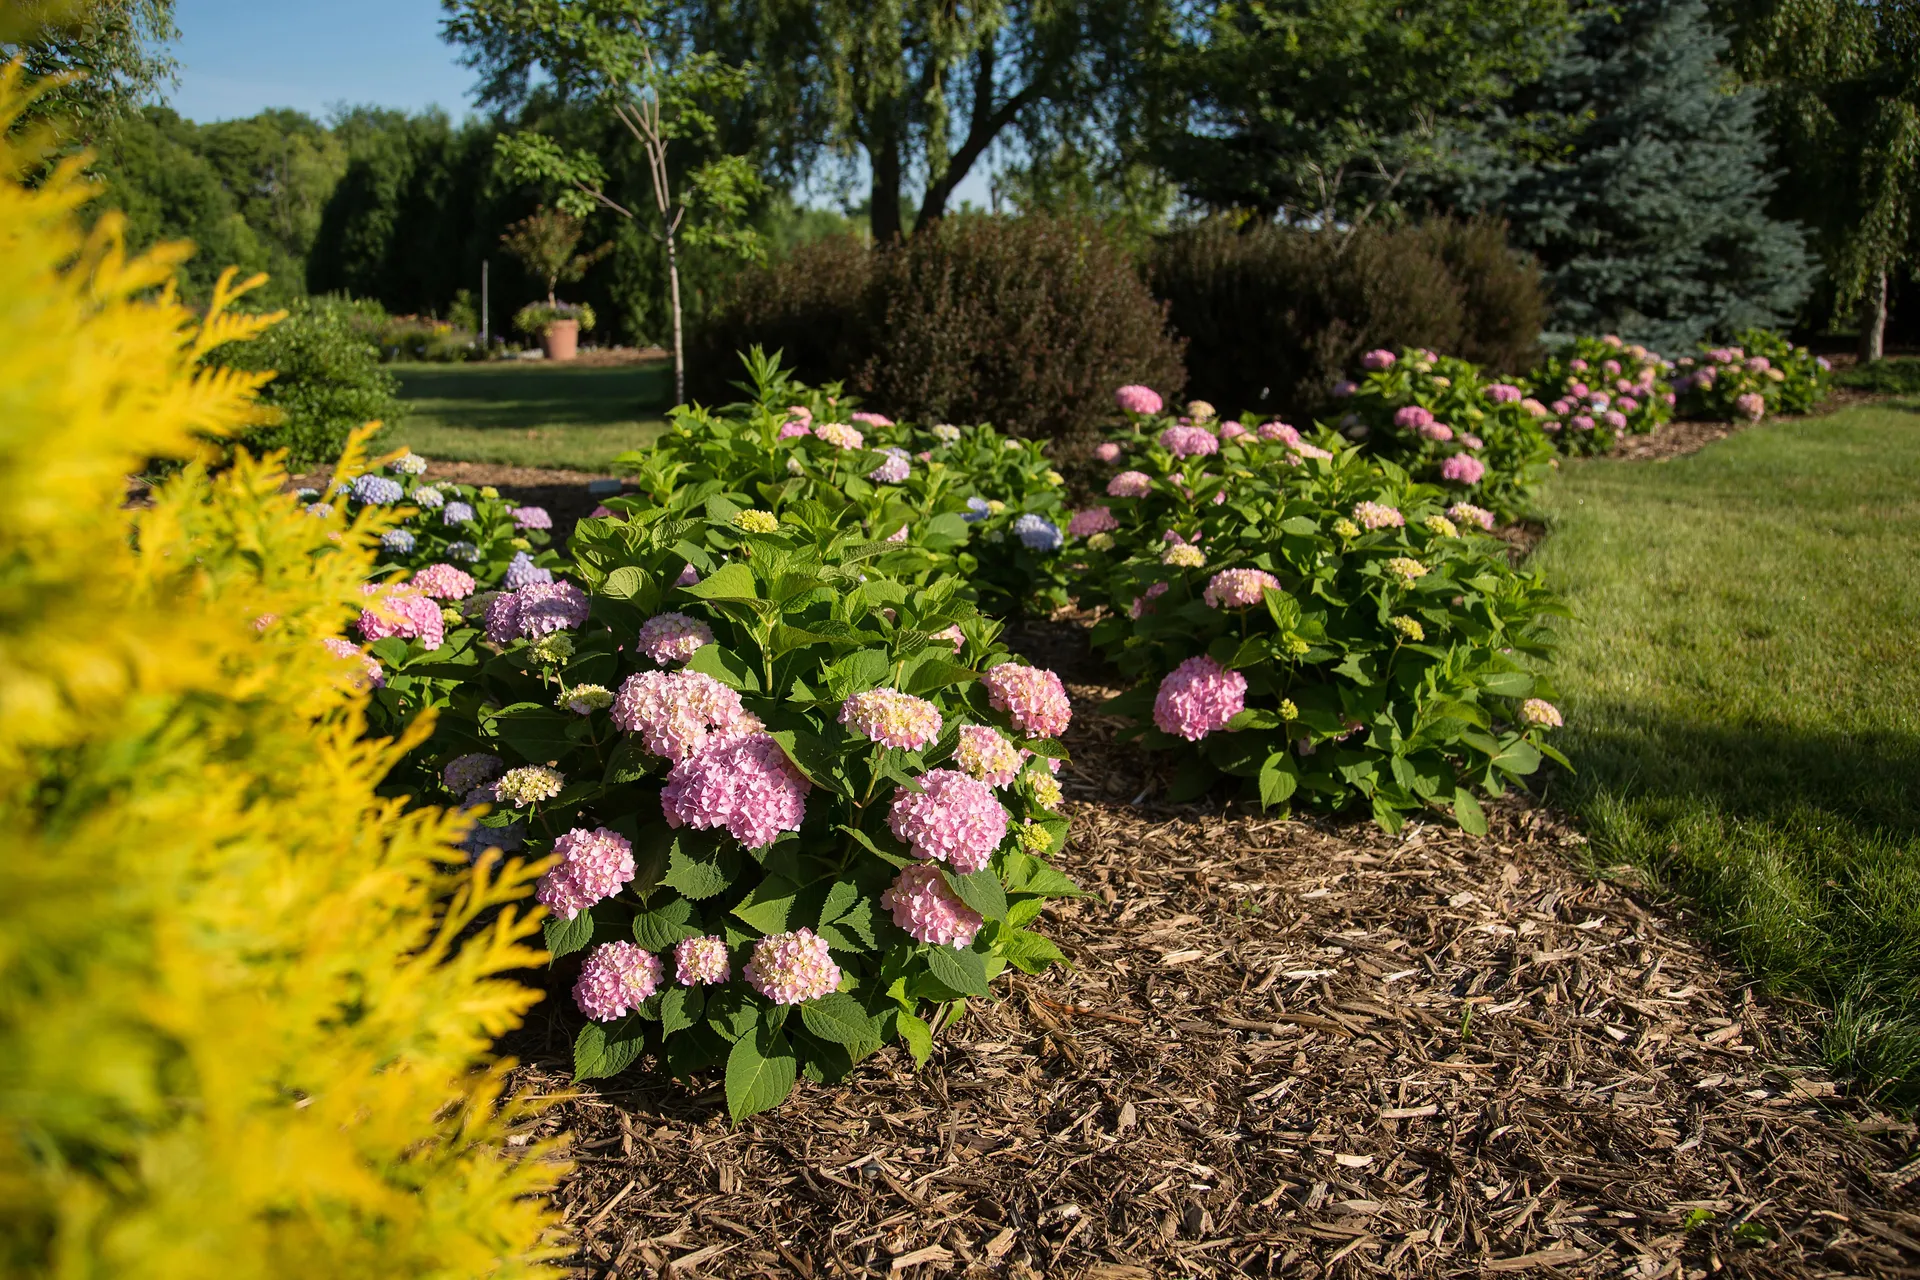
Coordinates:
[562,339]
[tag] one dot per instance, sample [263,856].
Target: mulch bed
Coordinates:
[1284,1047]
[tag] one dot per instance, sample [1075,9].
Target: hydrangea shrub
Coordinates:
[1760,373]
[1600,389]
[797,806]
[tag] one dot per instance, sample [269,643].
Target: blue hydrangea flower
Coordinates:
[375,491]
[1038,533]
[457,513]
[465,552]
[321,509]
[428,498]
[408,464]
[399,542]
[306,495]
[977,510]
[523,572]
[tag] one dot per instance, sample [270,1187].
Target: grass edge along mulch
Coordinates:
[1284,1047]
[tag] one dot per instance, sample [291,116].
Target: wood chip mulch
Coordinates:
[1284,1048]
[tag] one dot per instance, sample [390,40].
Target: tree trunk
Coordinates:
[883,207]
[1873,320]
[679,350]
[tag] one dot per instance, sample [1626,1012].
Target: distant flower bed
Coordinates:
[1600,389]
[1759,374]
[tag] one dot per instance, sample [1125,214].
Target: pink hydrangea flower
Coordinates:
[744,784]
[866,419]
[1189,442]
[1463,468]
[1759,364]
[1439,431]
[443,582]
[531,518]
[1301,449]
[1199,697]
[1581,422]
[701,962]
[1615,419]
[370,671]
[983,753]
[1279,431]
[898,535]
[403,612]
[1538,713]
[1232,431]
[840,435]
[892,718]
[594,865]
[1378,359]
[1344,388]
[926,908]
[673,637]
[1412,417]
[1467,513]
[955,819]
[1138,399]
[1752,405]
[1626,404]
[1130,484]
[788,968]
[1107,451]
[535,611]
[894,470]
[676,712]
[617,978]
[1504,393]
[1091,521]
[1534,407]
[1238,588]
[1035,699]
[954,636]
[1143,604]
[1374,515]
[791,429]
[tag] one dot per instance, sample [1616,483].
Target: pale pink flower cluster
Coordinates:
[1752,405]
[743,784]
[955,819]
[1374,515]
[953,635]
[985,754]
[617,978]
[1198,697]
[1378,359]
[403,612]
[1107,451]
[673,637]
[1504,393]
[788,968]
[676,712]
[799,422]
[866,419]
[701,962]
[1189,442]
[1412,417]
[443,582]
[1463,468]
[1130,484]
[1035,699]
[1302,449]
[1280,431]
[1093,520]
[928,910]
[892,718]
[529,784]
[1143,604]
[535,611]
[1138,399]
[1538,713]
[1232,431]
[594,865]
[840,435]
[1436,431]
[894,470]
[370,672]
[1238,588]
[1467,513]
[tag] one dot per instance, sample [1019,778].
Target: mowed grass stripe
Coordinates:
[530,414]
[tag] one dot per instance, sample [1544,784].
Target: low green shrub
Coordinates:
[1310,619]
[424,339]
[1600,389]
[1273,315]
[1897,376]
[821,793]
[1762,373]
[328,378]
[536,318]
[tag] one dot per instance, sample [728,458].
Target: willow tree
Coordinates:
[1843,80]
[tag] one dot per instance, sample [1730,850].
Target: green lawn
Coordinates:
[1742,692]
[530,414]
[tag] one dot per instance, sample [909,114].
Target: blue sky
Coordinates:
[238,57]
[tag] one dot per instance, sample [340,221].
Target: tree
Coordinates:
[1843,85]
[1648,208]
[107,47]
[280,167]
[625,56]
[1318,110]
[544,242]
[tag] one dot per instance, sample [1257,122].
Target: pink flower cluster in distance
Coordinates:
[1238,588]
[1752,405]
[1378,359]
[892,718]
[746,785]
[1463,468]
[701,962]
[676,712]
[370,672]
[594,865]
[1374,515]
[926,908]
[788,968]
[403,612]
[616,979]
[840,435]
[1198,697]
[1138,399]
[1107,451]
[1091,521]
[1412,417]
[1130,484]
[1467,513]
[984,753]
[1035,699]
[1189,442]
[955,819]
[443,582]
[1280,431]
[535,611]
[673,637]
[867,419]
[1540,714]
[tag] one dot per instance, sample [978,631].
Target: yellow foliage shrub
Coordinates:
[245,1003]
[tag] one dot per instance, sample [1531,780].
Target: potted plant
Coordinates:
[545,243]
[557,324]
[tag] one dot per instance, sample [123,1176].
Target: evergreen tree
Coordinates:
[1651,221]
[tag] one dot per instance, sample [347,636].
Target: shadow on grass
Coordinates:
[1802,851]
[521,395]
